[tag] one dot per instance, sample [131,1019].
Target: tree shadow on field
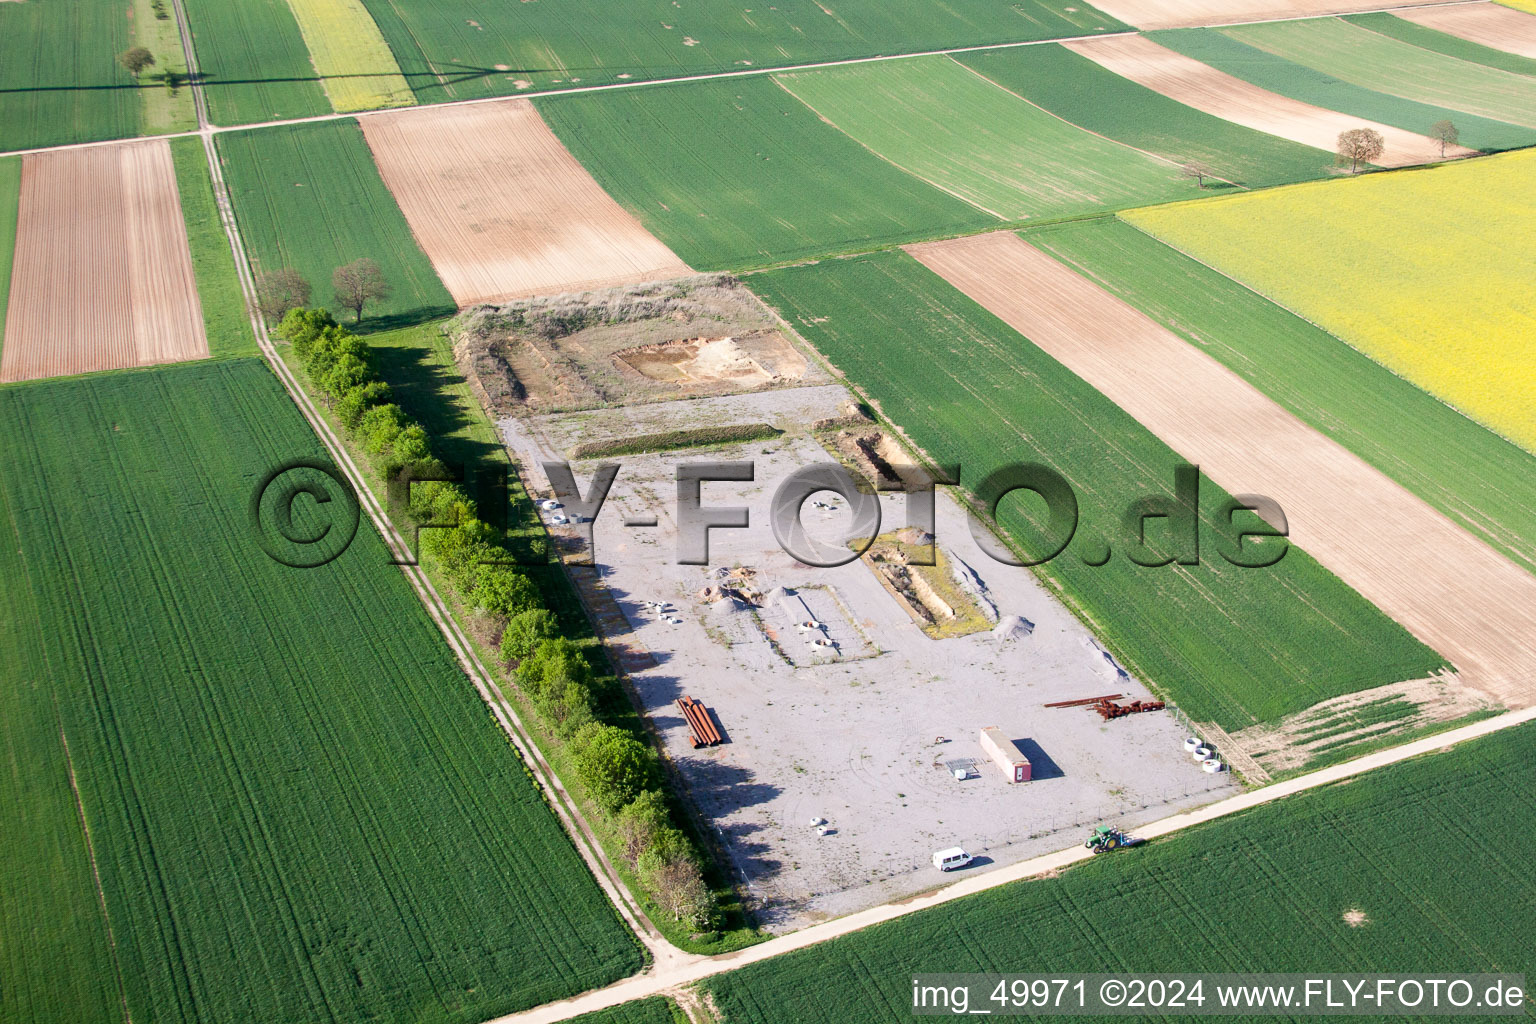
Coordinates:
[421,386]
[377,324]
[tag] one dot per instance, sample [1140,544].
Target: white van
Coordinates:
[954,857]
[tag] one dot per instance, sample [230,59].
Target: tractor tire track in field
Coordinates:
[90,851]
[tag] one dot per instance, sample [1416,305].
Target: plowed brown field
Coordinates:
[1183,13]
[102,277]
[1490,24]
[1203,87]
[503,210]
[1447,588]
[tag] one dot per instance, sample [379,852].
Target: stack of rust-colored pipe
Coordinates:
[1108,709]
[705,734]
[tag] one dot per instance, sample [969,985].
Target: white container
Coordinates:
[1202,752]
[1212,765]
[1191,743]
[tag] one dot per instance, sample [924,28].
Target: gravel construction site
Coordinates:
[863,733]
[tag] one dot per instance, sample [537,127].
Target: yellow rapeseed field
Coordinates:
[354,62]
[1529,6]
[1430,272]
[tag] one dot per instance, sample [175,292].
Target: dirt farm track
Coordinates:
[102,277]
[503,210]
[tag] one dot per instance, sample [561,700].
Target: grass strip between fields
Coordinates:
[10,200]
[1332,879]
[1229,645]
[165,99]
[225,318]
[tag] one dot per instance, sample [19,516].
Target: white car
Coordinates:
[952,858]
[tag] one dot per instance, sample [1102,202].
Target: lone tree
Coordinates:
[1361,146]
[359,283]
[1199,171]
[1446,132]
[278,291]
[136,59]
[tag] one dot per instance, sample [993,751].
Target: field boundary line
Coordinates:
[662,980]
[570,816]
[675,79]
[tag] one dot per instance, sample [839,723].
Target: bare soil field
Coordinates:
[688,338]
[1203,87]
[1487,23]
[1454,593]
[1151,14]
[102,277]
[503,210]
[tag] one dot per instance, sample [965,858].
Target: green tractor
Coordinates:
[1105,839]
